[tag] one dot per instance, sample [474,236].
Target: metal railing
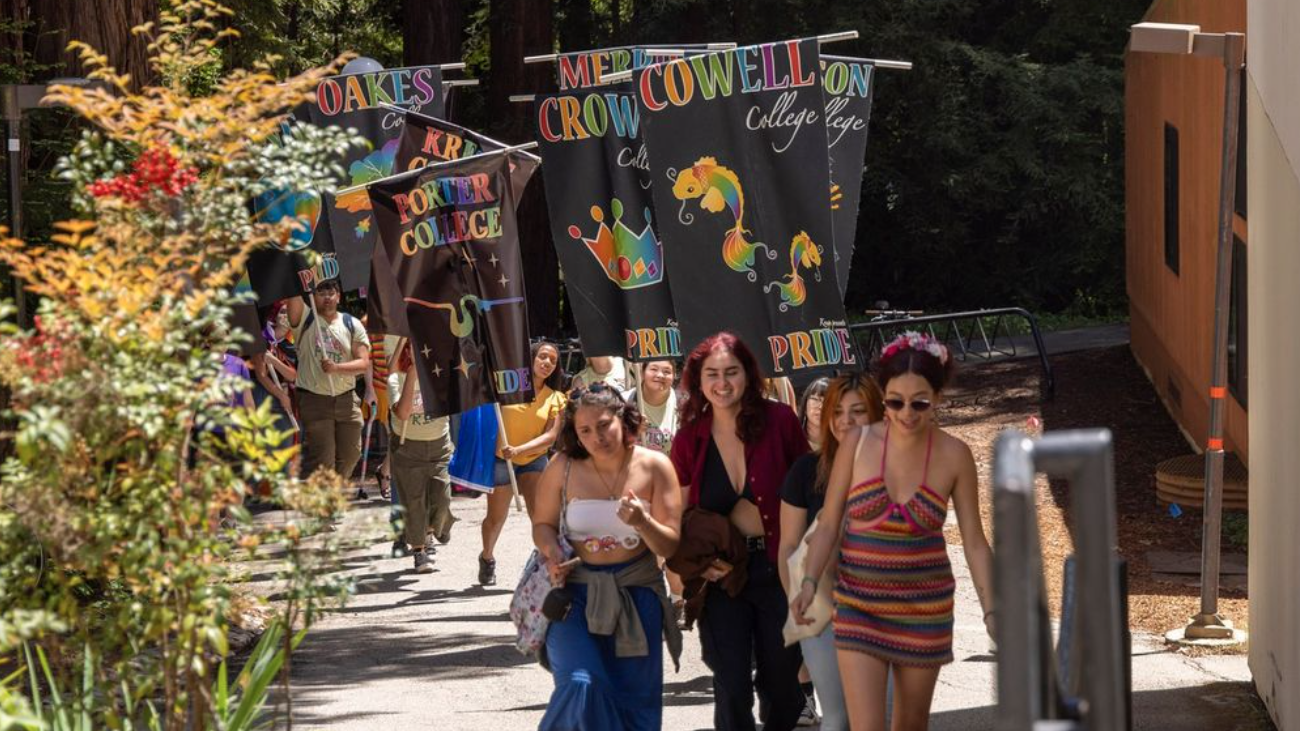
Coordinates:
[1034,693]
[965,334]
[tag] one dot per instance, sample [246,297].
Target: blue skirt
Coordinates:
[594,690]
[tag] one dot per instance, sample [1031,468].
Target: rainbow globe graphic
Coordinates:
[278,205]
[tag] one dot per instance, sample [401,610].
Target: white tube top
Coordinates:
[594,524]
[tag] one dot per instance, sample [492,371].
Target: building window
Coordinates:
[1171,197]
[1239,202]
[1238,342]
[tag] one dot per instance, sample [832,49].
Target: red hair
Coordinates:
[752,417]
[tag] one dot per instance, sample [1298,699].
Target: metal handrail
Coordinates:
[894,320]
[1030,692]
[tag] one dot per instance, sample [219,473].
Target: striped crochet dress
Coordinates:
[895,592]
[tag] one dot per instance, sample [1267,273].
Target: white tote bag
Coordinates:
[822,608]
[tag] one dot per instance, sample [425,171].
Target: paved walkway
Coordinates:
[434,651]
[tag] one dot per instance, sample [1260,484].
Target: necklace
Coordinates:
[618,477]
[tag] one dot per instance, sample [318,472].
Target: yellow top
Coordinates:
[525,422]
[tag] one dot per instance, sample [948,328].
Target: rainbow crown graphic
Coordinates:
[630,259]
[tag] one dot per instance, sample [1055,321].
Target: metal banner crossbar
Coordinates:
[982,334]
[1034,694]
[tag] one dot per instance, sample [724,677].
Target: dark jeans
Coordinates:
[736,634]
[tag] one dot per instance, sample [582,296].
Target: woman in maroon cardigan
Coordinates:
[732,450]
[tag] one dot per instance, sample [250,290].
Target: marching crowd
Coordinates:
[801,538]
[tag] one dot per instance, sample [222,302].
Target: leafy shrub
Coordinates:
[129,466]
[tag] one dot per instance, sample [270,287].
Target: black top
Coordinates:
[800,488]
[716,491]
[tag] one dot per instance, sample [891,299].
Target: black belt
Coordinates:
[755,543]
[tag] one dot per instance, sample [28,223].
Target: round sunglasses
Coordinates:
[896,404]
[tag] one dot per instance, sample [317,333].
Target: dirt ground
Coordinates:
[1094,388]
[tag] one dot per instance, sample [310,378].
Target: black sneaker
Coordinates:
[487,571]
[808,716]
[361,494]
[400,549]
[423,564]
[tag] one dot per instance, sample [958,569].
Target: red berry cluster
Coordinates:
[155,169]
[40,355]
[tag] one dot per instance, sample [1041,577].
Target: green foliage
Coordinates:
[70,708]
[309,33]
[1236,529]
[243,711]
[122,503]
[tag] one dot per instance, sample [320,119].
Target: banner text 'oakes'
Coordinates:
[343,94]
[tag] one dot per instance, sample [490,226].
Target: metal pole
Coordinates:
[1085,458]
[1017,584]
[13,115]
[1029,696]
[1207,624]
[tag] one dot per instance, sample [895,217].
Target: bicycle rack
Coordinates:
[965,334]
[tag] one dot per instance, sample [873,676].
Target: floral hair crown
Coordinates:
[912,340]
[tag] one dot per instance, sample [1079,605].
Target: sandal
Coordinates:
[385,485]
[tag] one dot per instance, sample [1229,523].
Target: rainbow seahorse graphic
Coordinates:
[718,188]
[462,324]
[803,252]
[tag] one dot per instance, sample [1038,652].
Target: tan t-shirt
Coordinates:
[339,344]
[418,427]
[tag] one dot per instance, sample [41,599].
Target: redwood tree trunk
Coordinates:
[519,28]
[575,33]
[433,31]
[103,24]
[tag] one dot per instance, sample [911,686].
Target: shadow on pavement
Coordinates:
[1210,707]
[697,691]
[335,661]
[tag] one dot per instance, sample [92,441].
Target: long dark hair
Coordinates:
[814,389]
[753,409]
[556,380]
[604,397]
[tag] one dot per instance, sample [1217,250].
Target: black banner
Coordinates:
[453,247]
[847,85]
[602,223]
[364,102]
[426,140]
[282,270]
[738,154]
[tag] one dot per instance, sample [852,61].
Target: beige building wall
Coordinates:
[1273,269]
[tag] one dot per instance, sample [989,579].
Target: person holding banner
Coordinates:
[619,506]
[732,452]
[530,430]
[331,356]
[420,457]
[850,401]
[894,596]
